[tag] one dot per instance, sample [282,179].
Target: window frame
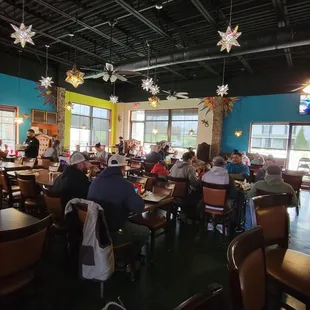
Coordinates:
[15,110]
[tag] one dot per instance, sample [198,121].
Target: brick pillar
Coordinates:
[217,127]
[61,92]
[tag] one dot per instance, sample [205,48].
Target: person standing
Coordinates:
[120,145]
[3,153]
[31,144]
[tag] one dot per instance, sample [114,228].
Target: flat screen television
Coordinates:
[304,105]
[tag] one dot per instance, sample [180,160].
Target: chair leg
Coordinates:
[152,252]
[223,228]
[101,290]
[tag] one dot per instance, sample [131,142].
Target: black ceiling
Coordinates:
[179,24]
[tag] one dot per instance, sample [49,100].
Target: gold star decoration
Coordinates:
[229,38]
[22,34]
[75,77]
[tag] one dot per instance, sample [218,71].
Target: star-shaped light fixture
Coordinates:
[75,77]
[229,38]
[154,90]
[69,106]
[18,120]
[46,82]
[22,34]
[191,132]
[154,101]
[222,90]
[147,84]
[114,99]
[155,131]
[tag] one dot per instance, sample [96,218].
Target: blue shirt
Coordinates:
[238,169]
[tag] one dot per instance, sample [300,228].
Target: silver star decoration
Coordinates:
[46,82]
[222,90]
[229,38]
[22,34]
[147,84]
[114,99]
[154,89]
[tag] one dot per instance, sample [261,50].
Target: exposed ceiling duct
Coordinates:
[261,42]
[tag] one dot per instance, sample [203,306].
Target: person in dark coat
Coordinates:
[118,198]
[73,182]
[153,157]
[120,145]
[31,144]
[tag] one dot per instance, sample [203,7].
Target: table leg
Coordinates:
[240,211]
[1,196]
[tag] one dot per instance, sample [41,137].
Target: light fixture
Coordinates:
[307,89]
[46,81]
[114,99]
[18,120]
[110,129]
[154,101]
[191,132]
[69,106]
[155,131]
[83,126]
[238,133]
[159,5]
[75,77]
[147,84]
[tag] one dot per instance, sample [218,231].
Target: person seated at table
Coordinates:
[160,169]
[101,153]
[132,150]
[163,153]
[258,160]
[120,145]
[245,159]
[140,152]
[153,156]
[3,152]
[184,169]
[260,175]
[236,168]
[73,182]
[111,187]
[52,152]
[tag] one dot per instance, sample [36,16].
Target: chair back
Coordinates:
[247,271]
[29,162]
[4,183]
[18,160]
[148,166]
[139,180]
[181,186]
[45,163]
[54,205]
[272,216]
[151,180]
[294,180]
[215,195]
[27,185]
[135,164]
[23,249]
[164,189]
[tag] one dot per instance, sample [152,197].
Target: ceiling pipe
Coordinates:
[254,43]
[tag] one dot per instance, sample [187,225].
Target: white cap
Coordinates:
[117,160]
[77,158]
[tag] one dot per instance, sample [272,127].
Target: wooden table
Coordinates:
[5,164]
[148,205]
[42,176]
[11,219]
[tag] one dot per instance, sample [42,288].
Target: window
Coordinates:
[89,125]
[8,126]
[170,125]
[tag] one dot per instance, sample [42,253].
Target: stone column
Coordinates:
[61,92]
[217,127]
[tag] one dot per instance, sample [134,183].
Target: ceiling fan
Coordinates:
[305,88]
[174,95]
[109,73]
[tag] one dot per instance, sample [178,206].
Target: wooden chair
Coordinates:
[29,162]
[288,268]
[54,167]
[148,166]
[138,180]
[45,163]
[216,209]
[31,198]
[210,299]
[295,181]
[137,165]
[23,249]
[54,207]
[247,271]
[151,180]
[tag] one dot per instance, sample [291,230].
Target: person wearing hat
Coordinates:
[118,198]
[236,168]
[101,154]
[273,183]
[120,145]
[260,175]
[73,182]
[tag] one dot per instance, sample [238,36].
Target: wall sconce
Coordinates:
[191,132]
[69,106]
[238,133]
[155,131]
[18,120]
[84,126]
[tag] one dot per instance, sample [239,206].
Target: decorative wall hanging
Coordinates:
[228,104]
[49,94]
[136,105]
[119,118]
[207,104]
[205,122]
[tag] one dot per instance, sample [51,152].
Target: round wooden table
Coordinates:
[6,164]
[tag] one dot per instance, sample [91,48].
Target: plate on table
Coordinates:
[151,197]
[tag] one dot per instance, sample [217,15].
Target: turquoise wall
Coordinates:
[26,100]
[271,108]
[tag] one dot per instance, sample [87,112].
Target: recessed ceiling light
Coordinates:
[159,5]
[71,34]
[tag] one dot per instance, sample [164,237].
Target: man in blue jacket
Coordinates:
[118,198]
[236,168]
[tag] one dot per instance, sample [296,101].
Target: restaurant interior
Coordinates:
[155,154]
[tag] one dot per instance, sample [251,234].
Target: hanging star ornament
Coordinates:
[22,34]
[114,99]
[229,39]
[147,84]
[154,90]
[46,82]
[222,90]
[75,77]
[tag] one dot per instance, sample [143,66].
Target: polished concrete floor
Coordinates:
[184,265]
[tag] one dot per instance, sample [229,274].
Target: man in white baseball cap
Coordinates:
[110,188]
[73,182]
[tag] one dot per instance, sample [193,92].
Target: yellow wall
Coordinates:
[91,101]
